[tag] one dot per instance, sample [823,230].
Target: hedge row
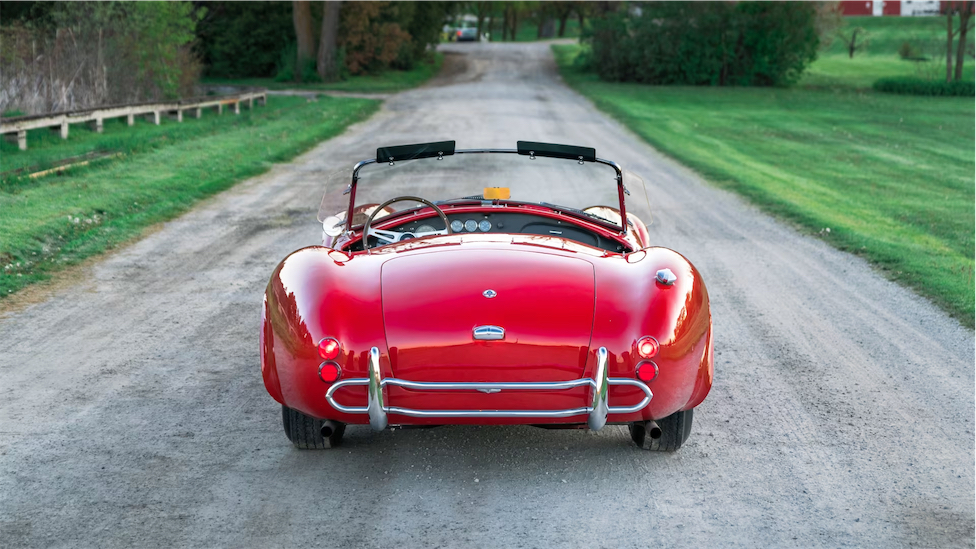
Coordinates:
[704,43]
[917,86]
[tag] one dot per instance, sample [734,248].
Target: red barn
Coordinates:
[892,7]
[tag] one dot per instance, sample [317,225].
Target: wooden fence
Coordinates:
[15,127]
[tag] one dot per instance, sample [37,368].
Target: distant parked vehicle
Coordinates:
[466,32]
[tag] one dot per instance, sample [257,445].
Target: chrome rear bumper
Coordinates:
[597,409]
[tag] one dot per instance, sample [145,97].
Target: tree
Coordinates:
[965,22]
[327,42]
[302,18]
[87,54]
[855,40]
[562,11]
[704,43]
[245,39]
[482,9]
[546,22]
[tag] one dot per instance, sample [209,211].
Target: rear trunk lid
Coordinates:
[433,302]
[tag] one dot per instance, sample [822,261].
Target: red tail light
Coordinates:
[459,33]
[646,371]
[329,348]
[647,347]
[330,372]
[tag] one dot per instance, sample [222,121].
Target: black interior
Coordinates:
[507,222]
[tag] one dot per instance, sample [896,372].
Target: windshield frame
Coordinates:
[621,191]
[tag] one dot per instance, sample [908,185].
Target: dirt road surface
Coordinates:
[132,412]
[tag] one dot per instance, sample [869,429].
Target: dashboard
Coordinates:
[501,222]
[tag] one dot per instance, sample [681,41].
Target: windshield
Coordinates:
[505,176]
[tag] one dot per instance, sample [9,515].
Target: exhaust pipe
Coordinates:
[653,430]
[328,428]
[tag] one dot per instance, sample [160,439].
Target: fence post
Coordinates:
[220,108]
[21,139]
[61,128]
[237,107]
[153,117]
[130,119]
[96,125]
[250,103]
[199,112]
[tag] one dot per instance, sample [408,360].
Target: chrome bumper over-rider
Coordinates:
[597,409]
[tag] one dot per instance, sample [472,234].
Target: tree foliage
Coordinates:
[705,43]
[258,39]
[238,39]
[371,36]
[70,55]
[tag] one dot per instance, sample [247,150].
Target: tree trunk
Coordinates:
[949,42]
[327,43]
[302,18]
[852,44]
[491,26]
[562,24]
[965,14]
[514,28]
[483,7]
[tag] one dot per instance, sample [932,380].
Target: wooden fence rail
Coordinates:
[15,127]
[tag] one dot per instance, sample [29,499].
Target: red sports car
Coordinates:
[481,303]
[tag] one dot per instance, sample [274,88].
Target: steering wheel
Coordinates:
[389,237]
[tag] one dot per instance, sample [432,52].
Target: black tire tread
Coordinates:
[675,430]
[305,432]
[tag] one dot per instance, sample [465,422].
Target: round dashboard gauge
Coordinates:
[457,226]
[425,229]
[471,225]
[485,226]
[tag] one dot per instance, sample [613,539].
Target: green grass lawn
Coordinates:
[892,176]
[387,82]
[55,221]
[880,59]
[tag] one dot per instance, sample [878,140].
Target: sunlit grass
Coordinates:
[52,222]
[891,176]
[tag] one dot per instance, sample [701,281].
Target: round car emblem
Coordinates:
[489,293]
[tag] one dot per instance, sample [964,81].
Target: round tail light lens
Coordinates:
[646,371]
[647,347]
[329,348]
[330,372]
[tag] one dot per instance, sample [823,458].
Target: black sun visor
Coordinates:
[412,152]
[552,150]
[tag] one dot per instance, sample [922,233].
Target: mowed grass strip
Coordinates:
[880,59]
[891,176]
[53,222]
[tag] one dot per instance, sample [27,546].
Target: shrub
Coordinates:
[288,66]
[910,52]
[241,39]
[918,86]
[706,43]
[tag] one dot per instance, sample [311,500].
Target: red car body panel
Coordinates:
[417,301]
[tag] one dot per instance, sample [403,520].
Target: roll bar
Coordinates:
[525,148]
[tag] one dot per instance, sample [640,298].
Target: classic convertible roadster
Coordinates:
[481,303]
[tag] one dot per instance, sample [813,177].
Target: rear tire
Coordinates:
[675,430]
[305,432]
